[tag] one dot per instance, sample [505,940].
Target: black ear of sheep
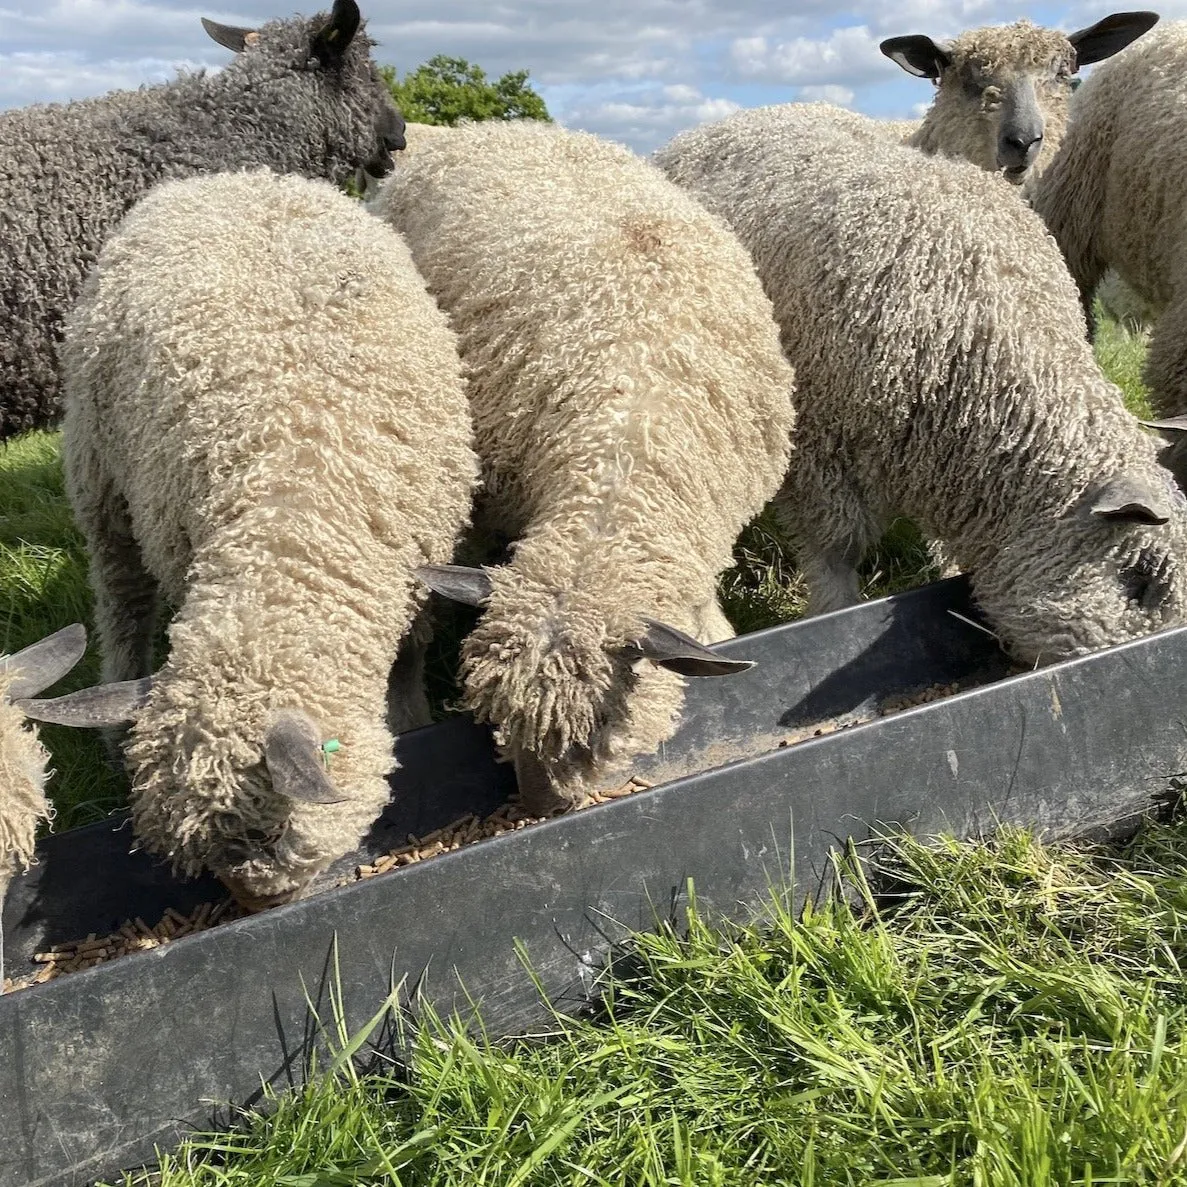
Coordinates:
[229,36]
[101,705]
[45,662]
[672,649]
[1110,35]
[294,758]
[334,37]
[917,54]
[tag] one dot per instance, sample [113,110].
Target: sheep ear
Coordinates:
[669,648]
[1132,498]
[230,36]
[1110,35]
[102,705]
[459,583]
[45,662]
[334,38]
[292,753]
[1169,427]
[917,54]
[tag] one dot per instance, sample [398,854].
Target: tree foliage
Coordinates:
[444,90]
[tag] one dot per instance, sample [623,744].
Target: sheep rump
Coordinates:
[1116,195]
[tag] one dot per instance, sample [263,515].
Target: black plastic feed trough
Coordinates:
[97,1066]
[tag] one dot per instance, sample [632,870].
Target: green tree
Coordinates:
[444,90]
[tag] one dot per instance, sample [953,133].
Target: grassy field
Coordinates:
[1013,1016]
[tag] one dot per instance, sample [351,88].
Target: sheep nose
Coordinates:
[1018,148]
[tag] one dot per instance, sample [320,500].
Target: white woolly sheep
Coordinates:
[631,410]
[1116,196]
[266,422]
[301,96]
[943,373]
[23,759]
[1002,91]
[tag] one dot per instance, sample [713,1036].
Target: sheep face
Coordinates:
[221,782]
[256,815]
[571,683]
[331,55]
[1108,569]
[1002,92]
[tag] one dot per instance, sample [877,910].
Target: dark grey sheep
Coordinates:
[301,96]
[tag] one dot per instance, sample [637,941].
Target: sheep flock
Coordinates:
[542,376]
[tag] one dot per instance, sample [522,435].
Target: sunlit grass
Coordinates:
[1013,1016]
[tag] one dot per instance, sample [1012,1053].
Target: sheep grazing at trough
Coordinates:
[1116,197]
[266,424]
[23,759]
[942,373]
[24,762]
[632,411]
[1002,92]
[300,96]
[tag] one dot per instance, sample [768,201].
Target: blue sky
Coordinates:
[635,70]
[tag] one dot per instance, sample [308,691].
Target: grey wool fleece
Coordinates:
[301,96]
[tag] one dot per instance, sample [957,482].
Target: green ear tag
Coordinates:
[328,748]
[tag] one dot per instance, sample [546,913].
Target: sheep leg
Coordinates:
[125,592]
[407,703]
[831,534]
[1166,361]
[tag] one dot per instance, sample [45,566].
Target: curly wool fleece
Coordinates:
[1116,196]
[68,173]
[266,418]
[943,374]
[23,775]
[631,410]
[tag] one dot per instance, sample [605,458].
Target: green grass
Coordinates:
[43,587]
[1012,1016]
[1121,353]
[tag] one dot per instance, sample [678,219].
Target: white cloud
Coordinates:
[645,118]
[828,93]
[56,78]
[844,56]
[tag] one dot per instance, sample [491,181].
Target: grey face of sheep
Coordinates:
[1015,91]
[259,869]
[1107,570]
[557,777]
[329,54]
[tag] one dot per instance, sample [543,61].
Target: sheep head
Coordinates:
[1002,92]
[1106,569]
[330,50]
[568,683]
